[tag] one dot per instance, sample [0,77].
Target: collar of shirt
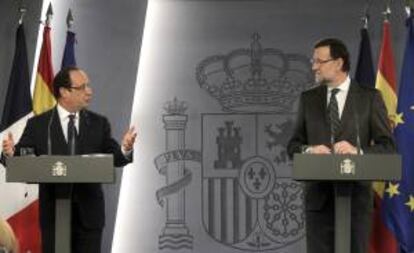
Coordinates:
[341,95]
[344,86]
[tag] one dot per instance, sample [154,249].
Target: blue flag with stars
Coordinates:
[68,59]
[364,73]
[399,195]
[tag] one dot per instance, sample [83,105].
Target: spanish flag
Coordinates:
[43,98]
[382,238]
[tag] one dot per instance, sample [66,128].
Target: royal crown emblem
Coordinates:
[348,167]
[248,200]
[255,79]
[59,169]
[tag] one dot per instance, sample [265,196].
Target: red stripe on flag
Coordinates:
[382,241]
[45,60]
[386,60]
[25,224]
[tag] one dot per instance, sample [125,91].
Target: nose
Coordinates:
[315,66]
[88,89]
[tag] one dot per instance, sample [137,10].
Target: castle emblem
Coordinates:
[249,201]
[347,167]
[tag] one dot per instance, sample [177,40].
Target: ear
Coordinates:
[340,63]
[63,92]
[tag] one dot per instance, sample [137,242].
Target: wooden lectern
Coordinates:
[55,169]
[342,170]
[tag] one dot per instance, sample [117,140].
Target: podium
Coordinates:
[342,170]
[61,170]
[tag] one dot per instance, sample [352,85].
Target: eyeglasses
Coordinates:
[319,61]
[82,87]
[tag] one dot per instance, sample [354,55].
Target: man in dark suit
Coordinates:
[331,119]
[72,129]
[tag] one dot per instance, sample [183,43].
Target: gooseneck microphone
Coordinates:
[332,137]
[49,139]
[357,131]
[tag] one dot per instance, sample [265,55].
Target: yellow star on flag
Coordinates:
[398,119]
[410,203]
[393,189]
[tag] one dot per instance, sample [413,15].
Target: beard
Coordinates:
[319,80]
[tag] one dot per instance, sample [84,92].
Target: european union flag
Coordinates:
[364,73]
[399,196]
[68,59]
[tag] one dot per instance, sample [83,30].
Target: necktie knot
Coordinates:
[334,92]
[72,117]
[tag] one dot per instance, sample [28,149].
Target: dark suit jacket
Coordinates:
[94,137]
[312,128]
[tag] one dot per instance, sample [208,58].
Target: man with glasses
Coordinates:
[338,116]
[69,129]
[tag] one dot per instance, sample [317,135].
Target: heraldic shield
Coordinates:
[249,200]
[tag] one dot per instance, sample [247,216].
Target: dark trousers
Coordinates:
[84,240]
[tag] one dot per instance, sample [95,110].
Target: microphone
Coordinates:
[358,138]
[357,131]
[85,116]
[49,139]
[332,137]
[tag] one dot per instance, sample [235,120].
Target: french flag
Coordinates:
[19,201]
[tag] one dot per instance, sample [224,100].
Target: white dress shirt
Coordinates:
[341,95]
[64,120]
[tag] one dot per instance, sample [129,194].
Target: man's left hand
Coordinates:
[344,147]
[129,139]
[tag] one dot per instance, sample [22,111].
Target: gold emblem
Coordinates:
[348,167]
[59,169]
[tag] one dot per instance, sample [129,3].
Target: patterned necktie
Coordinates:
[334,113]
[72,134]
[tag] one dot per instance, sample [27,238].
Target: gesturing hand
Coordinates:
[8,145]
[129,139]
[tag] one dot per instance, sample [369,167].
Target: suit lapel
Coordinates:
[59,144]
[83,128]
[348,115]
[323,106]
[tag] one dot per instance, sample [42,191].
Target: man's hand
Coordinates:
[8,145]
[129,139]
[319,149]
[344,147]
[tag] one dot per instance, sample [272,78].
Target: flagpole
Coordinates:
[22,12]
[387,12]
[365,18]
[68,58]
[69,19]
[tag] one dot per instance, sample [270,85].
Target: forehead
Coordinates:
[322,52]
[78,77]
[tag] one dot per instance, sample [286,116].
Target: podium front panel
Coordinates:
[368,167]
[61,169]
